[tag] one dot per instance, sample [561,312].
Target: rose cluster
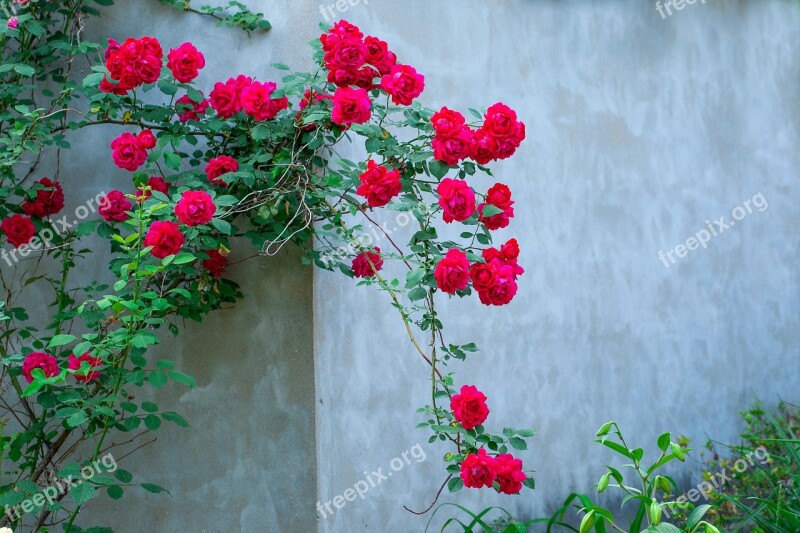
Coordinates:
[353,63]
[49,365]
[139,61]
[243,94]
[45,199]
[497,138]
[479,469]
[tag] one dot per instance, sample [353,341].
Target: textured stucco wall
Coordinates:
[639,130]
[248,461]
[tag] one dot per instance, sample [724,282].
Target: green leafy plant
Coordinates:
[764,496]
[649,484]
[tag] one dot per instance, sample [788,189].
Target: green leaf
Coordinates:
[518,443]
[696,515]
[417,294]
[155,489]
[77,419]
[455,484]
[114,492]
[180,377]
[167,88]
[415,277]
[61,340]
[663,442]
[152,422]
[157,379]
[183,258]
[438,169]
[175,418]
[82,493]
[172,160]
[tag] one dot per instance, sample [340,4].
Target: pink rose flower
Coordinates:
[403,83]
[185,62]
[114,207]
[195,208]
[457,200]
[452,272]
[46,362]
[351,106]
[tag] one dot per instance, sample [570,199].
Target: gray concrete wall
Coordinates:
[639,130]
[248,461]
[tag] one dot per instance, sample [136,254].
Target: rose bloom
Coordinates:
[128,152]
[47,363]
[483,276]
[379,56]
[341,30]
[469,407]
[114,207]
[509,473]
[219,166]
[185,62]
[452,272]
[404,84]
[74,363]
[361,265]
[504,288]
[379,184]
[351,106]
[506,255]
[155,183]
[147,139]
[195,207]
[477,470]
[500,121]
[188,109]
[13,23]
[447,123]
[216,263]
[226,98]
[499,196]
[347,55]
[134,62]
[165,237]
[455,147]
[257,103]
[457,200]
[49,200]
[484,149]
[18,229]
[510,250]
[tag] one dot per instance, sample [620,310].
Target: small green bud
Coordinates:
[587,523]
[655,513]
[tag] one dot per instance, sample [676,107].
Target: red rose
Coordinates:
[74,363]
[188,109]
[120,87]
[469,407]
[379,184]
[509,473]
[483,276]
[477,470]
[457,200]
[452,272]
[447,122]
[363,263]
[510,250]
[348,54]
[351,106]
[403,83]
[257,103]
[484,149]
[165,237]
[219,166]
[155,183]
[455,147]
[114,207]
[128,152]
[504,288]
[134,62]
[185,62]
[147,139]
[379,56]
[226,97]
[505,147]
[113,47]
[49,199]
[216,263]
[341,30]
[500,121]
[47,363]
[195,207]
[18,229]
[498,196]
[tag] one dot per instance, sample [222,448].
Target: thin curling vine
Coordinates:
[247,157]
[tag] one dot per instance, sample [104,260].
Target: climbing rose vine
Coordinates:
[255,159]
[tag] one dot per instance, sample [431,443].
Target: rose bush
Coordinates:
[255,159]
